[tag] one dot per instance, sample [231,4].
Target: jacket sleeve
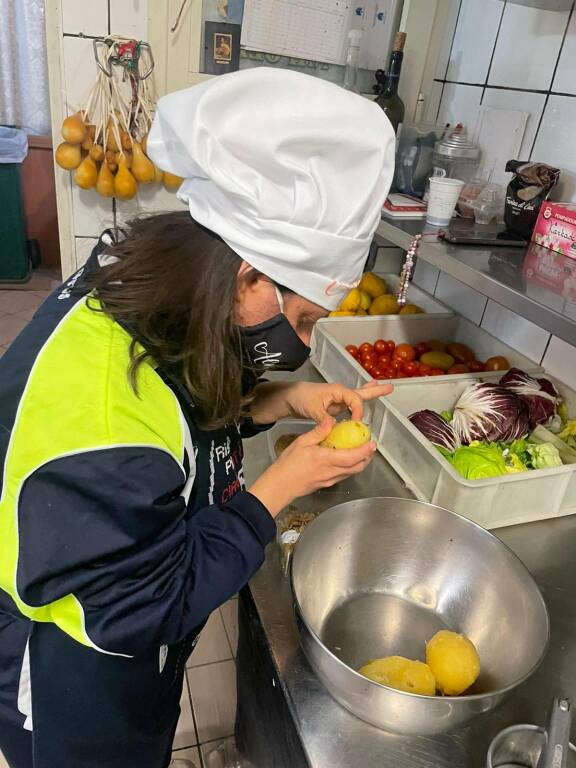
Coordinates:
[110,527]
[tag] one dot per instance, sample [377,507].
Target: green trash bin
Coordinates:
[14,259]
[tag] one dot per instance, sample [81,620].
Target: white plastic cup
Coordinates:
[444,194]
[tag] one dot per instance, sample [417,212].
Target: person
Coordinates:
[124,517]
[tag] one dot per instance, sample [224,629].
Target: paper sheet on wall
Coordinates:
[307,29]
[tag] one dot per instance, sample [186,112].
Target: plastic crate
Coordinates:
[331,336]
[491,502]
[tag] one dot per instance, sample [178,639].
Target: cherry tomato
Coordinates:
[379,372]
[390,347]
[380,347]
[424,369]
[405,352]
[458,368]
[497,363]
[395,364]
[410,368]
[437,372]
[421,349]
[363,348]
[368,357]
[369,368]
[384,359]
[476,366]
[353,350]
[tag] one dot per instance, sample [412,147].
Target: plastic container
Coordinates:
[331,336]
[492,502]
[14,260]
[444,194]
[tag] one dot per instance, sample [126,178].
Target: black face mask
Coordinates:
[274,344]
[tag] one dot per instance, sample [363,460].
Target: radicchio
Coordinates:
[490,412]
[539,395]
[436,429]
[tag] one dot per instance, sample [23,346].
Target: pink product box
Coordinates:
[556,228]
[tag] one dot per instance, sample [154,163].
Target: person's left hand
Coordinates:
[316,401]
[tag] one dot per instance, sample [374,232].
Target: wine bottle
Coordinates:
[352,59]
[388,98]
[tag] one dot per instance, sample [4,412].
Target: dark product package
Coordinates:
[529,187]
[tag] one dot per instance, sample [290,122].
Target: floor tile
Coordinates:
[185,730]
[213,690]
[183,754]
[211,746]
[2,350]
[27,314]
[13,302]
[10,327]
[229,613]
[213,643]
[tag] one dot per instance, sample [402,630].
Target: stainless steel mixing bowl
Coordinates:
[378,577]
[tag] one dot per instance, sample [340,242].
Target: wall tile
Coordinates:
[532,103]
[90,212]
[90,18]
[555,143]
[150,199]
[474,40]
[129,18]
[466,301]
[527,47]
[460,105]
[425,276]
[560,361]
[565,79]
[84,246]
[79,72]
[449,29]
[518,333]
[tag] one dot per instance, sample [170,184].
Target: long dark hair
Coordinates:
[173,287]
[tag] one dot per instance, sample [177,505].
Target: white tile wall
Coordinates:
[466,301]
[556,143]
[84,246]
[532,103]
[518,333]
[433,102]
[460,105]
[560,361]
[447,38]
[79,71]
[90,212]
[474,40]
[565,79]
[426,276]
[129,18]
[87,16]
[528,47]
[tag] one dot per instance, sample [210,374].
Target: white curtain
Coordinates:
[24,99]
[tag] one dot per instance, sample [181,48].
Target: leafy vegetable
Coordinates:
[490,412]
[479,460]
[542,435]
[544,456]
[436,429]
[539,395]
[446,415]
[568,434]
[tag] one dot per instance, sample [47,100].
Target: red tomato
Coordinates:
[476,366]
[384,359]
[425,369]
[369,367]
[422,348]
[405,352]
[390,347]
[395,364]
[458,368]
[411,368]
[380,347]
[436,372]
[368,357]
[380,372]
[497,363]
[353,350]
[363,348]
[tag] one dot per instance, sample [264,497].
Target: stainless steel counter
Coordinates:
[333,738]
[517,278]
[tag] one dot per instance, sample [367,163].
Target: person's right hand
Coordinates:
[305,466]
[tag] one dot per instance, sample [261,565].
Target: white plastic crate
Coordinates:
[415,295]
[330,338]
[492,502]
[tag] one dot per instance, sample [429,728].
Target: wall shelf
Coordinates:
[518,279]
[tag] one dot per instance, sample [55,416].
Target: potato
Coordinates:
[454,662]
[402,674]
[347,434]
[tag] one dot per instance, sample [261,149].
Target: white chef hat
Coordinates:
[290,170]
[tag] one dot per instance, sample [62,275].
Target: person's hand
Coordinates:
[306,466]
[316,401]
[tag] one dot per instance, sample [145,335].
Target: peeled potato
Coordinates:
[402,674]
[347,434]
[454,661]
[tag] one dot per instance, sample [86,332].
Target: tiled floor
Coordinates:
[18,302]
[209,697]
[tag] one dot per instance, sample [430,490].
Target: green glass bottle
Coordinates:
[388,97]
